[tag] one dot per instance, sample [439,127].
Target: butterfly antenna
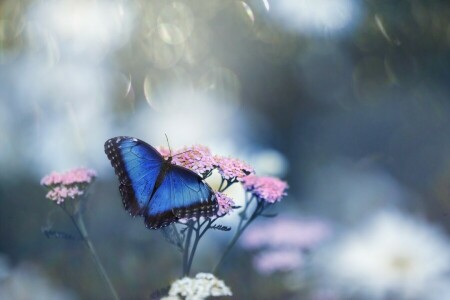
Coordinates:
[187,151]
[167,139]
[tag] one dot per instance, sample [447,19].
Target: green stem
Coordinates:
[198,235]
[221,185]
[194,248]
[186,248]
[81,228]
[97,261]
[226,187]
[240,229]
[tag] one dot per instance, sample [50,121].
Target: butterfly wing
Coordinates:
[182,194]
[137,164]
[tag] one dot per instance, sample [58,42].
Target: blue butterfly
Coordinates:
[153,187]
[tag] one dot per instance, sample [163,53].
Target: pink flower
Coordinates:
[70,184]
[197,158]
[286,233]
[271,261]
[231,168]
[60,193]
[225,204]
[75,176]
[269,189]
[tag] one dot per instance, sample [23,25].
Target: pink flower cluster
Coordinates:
[61,193]
[270,261]
[69,184]
[269,189]
[283,239]
[199,159]
[225,204]
[286,233]
[75,176]
[231,168]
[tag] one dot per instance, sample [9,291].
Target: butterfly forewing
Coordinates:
[155,188]
[137,165]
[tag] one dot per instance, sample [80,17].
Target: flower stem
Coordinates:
[194,248]
[240,229]
[187,246]
[81,228]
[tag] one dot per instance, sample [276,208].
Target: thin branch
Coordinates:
[84,236]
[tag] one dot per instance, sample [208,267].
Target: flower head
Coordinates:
[225,204]
[75,176]
[202,286]
[232,168]
[269,189]
[391,255]
[197,158]
[270,261]
[283,241]
[286,233]
[70,184]
[60,193]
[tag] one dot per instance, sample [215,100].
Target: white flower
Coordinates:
[202,286]
[392,255]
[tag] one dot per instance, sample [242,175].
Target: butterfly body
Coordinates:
[154,188]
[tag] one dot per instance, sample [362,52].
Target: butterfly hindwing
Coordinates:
[192,196]
[189,197]
[137,164]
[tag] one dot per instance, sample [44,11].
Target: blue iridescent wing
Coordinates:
[137,164]
[182,194]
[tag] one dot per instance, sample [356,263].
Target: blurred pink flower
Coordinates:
[225,204]
[271,261]
[75,176]
[69,184]
[286,233]
[269,189]
[197,158]
[324,294]
[232,168]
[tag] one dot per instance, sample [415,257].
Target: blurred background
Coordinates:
[346,100]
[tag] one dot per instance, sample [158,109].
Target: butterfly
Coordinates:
[152,187]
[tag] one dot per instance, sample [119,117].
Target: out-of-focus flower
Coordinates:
[27,281]
[283,241]
[232,168]
[392,255]
[285,233]
[202,286]
[225,204]
[270,261]
[269,189]
[324,294]
[269,162]
[70,184]
[197,158]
